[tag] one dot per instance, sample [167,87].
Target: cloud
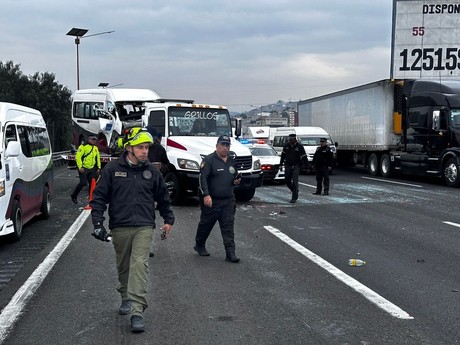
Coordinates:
[234,53]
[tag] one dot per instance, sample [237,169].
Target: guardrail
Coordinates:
[57,157]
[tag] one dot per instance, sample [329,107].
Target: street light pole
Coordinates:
[79,33]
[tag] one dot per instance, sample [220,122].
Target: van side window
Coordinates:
[34,141]
[86,110]
[10,134]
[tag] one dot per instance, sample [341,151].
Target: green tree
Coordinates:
[42,92]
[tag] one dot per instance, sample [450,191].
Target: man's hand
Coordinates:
[165,229]
[207,200]
[100,233]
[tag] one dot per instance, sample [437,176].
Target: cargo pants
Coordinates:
[132,247]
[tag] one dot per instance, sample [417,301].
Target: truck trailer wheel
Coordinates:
[174,188]
[373,164]
[244,194]
[451,173]
[385,165]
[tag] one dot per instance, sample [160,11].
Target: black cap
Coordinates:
[224,139]
[323,140]
[292,135]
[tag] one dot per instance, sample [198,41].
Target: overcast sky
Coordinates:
[234,53]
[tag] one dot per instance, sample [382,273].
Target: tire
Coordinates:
[174,188]
[244,194]
[373,164]
[385,165]
[16,217]
[45,208]
[451,173]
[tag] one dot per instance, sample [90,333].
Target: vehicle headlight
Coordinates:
[256,164]
[187,164]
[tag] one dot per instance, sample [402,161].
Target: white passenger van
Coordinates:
[26,168]
[308,136]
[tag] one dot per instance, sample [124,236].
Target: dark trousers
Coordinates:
[85,179]
[291,176]
[322,177]
[222,211]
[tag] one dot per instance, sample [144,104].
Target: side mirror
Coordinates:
[13,149]
[436,120]
[238,125]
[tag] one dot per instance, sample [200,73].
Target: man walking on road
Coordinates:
[218,176]
[131,186]
[88,162]
[292,156]
[323,161]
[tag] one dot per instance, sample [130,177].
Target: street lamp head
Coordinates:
[77,32]
[103,85]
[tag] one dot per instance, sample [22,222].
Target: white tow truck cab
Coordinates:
[190,132]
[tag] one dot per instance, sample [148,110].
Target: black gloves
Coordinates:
[100,233]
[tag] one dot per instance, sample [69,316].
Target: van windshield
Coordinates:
[309,141]
[186,121]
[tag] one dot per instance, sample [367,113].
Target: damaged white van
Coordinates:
[26,168]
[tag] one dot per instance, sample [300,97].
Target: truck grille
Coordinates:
[244,163]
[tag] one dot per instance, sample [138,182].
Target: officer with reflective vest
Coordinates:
[88,162]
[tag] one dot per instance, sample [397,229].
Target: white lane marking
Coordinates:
[394,182]
[11,312]
[306,184]
[345,278]
[452,223]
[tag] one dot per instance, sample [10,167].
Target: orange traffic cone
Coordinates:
[93,184]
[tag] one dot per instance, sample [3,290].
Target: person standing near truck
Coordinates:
[292,156]
[88,162]
[218,177]
[131,186]
[323,162]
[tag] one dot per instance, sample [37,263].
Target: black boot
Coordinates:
[318,192]
[232,257]
[326,192]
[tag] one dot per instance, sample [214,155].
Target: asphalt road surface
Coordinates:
[292,286]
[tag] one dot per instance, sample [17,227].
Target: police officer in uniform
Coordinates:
[292,156]
[323,162]
[218,176]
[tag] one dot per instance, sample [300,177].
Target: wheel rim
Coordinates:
[451,173]
[385,165]
[48,203]
[18,222]
[373,164]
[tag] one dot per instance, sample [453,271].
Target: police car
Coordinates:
[269,159]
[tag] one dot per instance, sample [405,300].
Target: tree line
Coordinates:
[42,92]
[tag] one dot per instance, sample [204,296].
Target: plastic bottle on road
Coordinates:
[356,262]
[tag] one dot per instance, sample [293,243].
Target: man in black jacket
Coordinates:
[292,157]
[323,161]
[131,186]
[218,176]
